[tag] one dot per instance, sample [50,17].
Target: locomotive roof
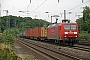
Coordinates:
[56,24]
[69,23]
[52,25]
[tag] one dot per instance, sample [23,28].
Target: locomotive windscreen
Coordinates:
[73,27]
[70,27]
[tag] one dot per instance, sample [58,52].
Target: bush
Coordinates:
[7,54]
[7,37]
[84,35]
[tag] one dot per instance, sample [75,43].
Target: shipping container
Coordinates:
[37,32]
[22,34]
[27,32]
[44,31]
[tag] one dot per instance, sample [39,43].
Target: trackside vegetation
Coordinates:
[17,24]
[84,35]
[6,51]
[84,24]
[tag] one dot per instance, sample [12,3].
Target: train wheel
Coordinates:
[56,41]
[63,43]
[60,43]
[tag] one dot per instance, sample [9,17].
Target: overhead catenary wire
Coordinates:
[75,7]
[30,1]
[14,8]
[82,1]
[28,5]
[78,5]
[58,1]
[46,0]
[38,7]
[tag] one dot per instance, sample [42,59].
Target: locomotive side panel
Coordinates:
[54,32]
[57,32]
[62,31]
[50,33]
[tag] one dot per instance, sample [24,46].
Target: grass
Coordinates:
[2,46]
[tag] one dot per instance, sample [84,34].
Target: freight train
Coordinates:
[61,33]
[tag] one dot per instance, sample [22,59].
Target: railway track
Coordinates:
[41,50]
[84,42]
[82,47]
[50,52]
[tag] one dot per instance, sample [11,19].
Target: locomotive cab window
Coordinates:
[67,27]
[73,27]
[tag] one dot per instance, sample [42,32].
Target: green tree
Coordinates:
[7,37]
[84,22]
[19,22]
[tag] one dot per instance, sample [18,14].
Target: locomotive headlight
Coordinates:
[66,32]
[65,36]
[75,36]
[75,32]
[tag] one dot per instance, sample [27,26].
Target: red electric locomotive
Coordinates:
[63,33]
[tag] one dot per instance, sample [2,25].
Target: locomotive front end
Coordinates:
[71,33]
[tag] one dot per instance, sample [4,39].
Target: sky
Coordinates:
[38,8]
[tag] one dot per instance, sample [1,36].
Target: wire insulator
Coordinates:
[30,1]
[58,1]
